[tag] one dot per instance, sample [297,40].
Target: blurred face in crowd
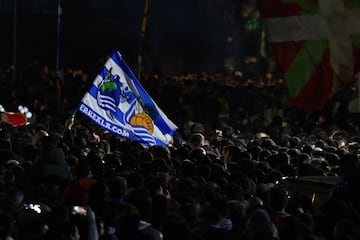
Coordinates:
[75,235]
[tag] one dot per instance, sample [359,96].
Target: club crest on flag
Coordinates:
[117,102]
[112,92]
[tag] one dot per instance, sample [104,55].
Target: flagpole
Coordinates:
[59,39]
[59,59]
[14,40]
[358,82]
[144,27]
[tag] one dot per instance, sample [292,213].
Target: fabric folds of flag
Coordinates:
[316,44]
[117,102]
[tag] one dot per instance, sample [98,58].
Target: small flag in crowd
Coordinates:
[117,102]
[316,45]
[13,118]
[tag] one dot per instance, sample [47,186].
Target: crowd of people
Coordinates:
[64,177]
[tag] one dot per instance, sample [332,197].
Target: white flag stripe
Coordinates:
[143,133]
[107,103]
[131,113]
[90,100]
[166,119]
[106,98]
[306,27]
[162,137]
[97,80]
[107,106]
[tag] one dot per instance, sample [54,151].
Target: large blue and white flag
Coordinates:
[117,102]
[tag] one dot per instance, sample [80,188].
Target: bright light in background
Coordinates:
[34,207]
[22,109]
[25,110]
[28,115]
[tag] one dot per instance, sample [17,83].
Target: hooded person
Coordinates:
[50,163]
[260,226]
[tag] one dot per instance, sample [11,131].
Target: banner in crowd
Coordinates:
[13,118]
[117,102]
[316,44]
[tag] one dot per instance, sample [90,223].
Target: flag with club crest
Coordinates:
[117,102]
[316,44]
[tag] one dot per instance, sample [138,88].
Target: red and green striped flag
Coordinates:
[316,44]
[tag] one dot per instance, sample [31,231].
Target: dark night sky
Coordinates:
[187,35]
